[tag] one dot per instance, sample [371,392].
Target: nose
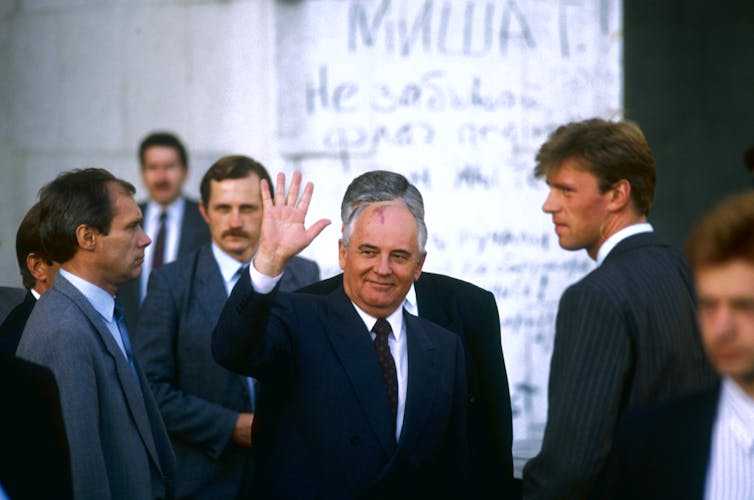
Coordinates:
[550,204]
[235,219]
[722,324]
[144,240]
[382,265]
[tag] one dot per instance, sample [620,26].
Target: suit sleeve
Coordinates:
[204,424]
[248,338]
[590,363]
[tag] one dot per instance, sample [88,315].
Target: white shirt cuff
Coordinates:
[261,282]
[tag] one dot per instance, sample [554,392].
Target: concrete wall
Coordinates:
[84,80]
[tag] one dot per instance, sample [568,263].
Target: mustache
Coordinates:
[163,185]
[235,232]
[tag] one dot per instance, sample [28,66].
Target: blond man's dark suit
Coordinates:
[626,335]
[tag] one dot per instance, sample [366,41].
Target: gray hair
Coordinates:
[377,186]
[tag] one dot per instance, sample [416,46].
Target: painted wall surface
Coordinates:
[83,81]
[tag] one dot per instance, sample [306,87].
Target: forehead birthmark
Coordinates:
[380,212]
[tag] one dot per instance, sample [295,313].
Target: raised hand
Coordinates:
[283,232]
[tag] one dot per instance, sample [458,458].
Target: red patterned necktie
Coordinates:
[382,329]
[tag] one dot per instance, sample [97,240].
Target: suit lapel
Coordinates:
[423,371]
[209,283]
[130,387]
[353,346]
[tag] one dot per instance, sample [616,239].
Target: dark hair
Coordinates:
[166,139]
[376,186]
[610,151]
[82,196]
[724,233]
[232,167]
[28,241]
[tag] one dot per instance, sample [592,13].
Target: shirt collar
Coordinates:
[100,299]
[409,303]
[618,236]
[228,265]
[395,319]
[739,408]
[174,210]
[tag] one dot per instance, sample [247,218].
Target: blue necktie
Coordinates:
[120,320]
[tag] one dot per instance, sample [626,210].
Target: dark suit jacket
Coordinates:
[194,233]
[471,312]
[13,326]
[328,431]
[199,400]
[10,297]
[118,444]
[626,335]
[34,461]
[662,452]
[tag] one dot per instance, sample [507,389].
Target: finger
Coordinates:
[280,189]
[306,198]
[264,187]
[294,189]
[315,229]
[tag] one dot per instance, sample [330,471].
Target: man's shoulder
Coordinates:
[449,284]
[298,262]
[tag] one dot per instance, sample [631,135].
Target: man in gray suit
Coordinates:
[208,409]
[171,219]
[119,448]
[626,335]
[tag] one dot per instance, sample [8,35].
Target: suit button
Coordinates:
[471,399]
[355,440]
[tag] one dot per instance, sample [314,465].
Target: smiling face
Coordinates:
[163,174]
[119,253]
[234,215]
[726,318]
[382,260]
[578,208]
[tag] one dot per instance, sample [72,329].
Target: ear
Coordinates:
[203,211]
[341,255]
[36,266]
[419,266]
[86,237]
[619,196]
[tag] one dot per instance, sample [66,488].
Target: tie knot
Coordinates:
[382,328]
[163,217]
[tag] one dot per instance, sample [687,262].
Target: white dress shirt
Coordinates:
[618,236]
[173,221]
[730,472]
[396,341]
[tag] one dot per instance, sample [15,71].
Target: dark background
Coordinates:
[689,84]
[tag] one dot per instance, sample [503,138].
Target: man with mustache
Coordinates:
[207,409]
[171,219]
[626,334]
[119,448]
